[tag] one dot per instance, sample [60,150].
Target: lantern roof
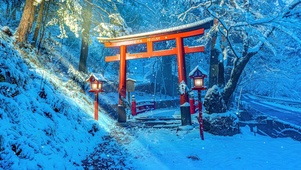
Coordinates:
[129,79]
[198,72]
[98,77]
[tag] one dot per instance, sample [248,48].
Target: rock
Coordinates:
[7,31]
[224,124]
[193,157]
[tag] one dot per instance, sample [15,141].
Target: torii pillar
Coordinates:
[122,85]
[185,109]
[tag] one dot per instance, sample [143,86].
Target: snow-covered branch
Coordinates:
[184,14]
[292,6]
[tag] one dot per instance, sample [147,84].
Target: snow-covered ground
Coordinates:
[282,109]
[47,123]
[44,120]
[153,148]
[55,130]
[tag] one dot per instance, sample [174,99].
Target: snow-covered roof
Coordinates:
[205,23]
[97,76]
[197,68]
[131,79]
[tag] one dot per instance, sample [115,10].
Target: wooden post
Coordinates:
[214,67]
[134,110]
[200,115]
[185,109]
[96,106]
[122,74]
[181,67]
[122,85]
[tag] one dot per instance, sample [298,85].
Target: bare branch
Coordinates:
[291,7]
[151,10]
[97,6]
[184,14]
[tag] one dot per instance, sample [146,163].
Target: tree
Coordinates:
[38,22]
[87,15]
[247,29]
[26,21]
[107,21]
[44,20]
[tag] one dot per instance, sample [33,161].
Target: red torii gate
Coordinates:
[149,38]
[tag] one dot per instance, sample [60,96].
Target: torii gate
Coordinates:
[149,38]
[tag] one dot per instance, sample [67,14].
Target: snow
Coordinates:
[98,77]
[172,149]
[182,28]
[130,79]
[46,119]
[185,104]
[50,132]
[61,140]
[147,148]
[198,68]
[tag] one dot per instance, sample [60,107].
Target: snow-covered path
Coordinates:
[153,148]
[285,113]
[167,149]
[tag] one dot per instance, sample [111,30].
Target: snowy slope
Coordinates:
[43,117]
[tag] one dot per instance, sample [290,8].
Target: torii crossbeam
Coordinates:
[149,38]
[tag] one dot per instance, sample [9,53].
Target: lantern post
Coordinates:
[198,75]
[130,87]
[95,87]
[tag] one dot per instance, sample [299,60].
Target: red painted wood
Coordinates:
[150,47]
[148,54]
[96,107]
[192,106]
[143,40]
[200,115]
[122,74]
[194,49]
[181,67]
[180,51]
[145,106]
[134,111]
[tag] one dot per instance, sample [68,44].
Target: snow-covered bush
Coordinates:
[213,101]
[224,124]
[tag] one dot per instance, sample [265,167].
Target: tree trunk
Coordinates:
[221,74]
[39,20]
[7,9]
[42,32]
[167,75]
[26,22]
[85,37]
[235,75]
[242,62]
[214,68]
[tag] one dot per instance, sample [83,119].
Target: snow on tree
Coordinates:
[246,29]
[213,101]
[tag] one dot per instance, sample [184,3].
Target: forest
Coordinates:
[254,41]
[50,47]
